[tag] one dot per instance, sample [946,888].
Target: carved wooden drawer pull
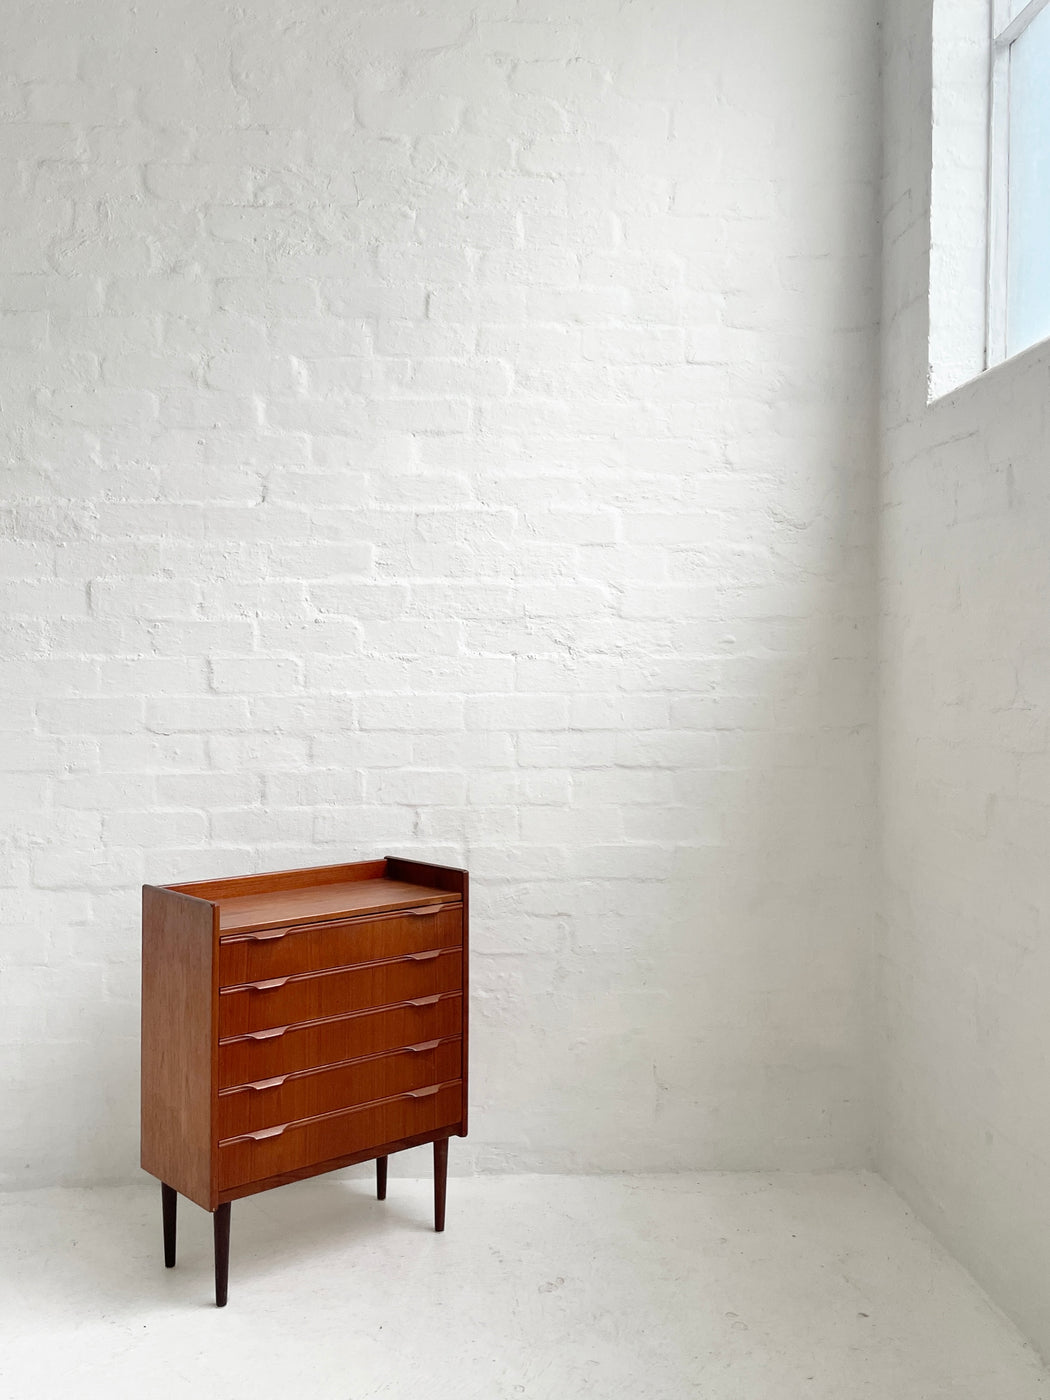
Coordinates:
[266,1133]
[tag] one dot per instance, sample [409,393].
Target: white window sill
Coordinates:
[945,381]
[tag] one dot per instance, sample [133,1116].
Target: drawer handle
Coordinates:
[265,1035]
[422,957]
[268,1083]
[423,1093]
[424,1046]
[269,985]
[425,1001]
[267,937]
[266,1133]
[425,912]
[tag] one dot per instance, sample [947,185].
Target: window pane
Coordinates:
[1028,274]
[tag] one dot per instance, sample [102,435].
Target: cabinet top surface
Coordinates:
[269,908]
[323,892]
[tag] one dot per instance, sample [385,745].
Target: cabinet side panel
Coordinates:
[177,1052]
[466,1001]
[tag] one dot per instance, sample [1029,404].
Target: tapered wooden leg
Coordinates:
[440,1177]
[221,1224]
[169,1200]
[381,1178]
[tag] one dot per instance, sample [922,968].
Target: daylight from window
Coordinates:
[1028,223]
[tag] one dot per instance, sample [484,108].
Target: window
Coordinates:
[1019,179]
[989,290]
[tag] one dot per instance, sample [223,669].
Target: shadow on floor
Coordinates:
[115,1254]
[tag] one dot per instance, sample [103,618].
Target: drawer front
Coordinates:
[269,1102]
[256,1008]
[310,947]
[320,1140]
[301,1047]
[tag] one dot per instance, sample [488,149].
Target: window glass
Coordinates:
[1028,251]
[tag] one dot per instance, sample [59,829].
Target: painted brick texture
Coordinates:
[965,775]
[449,430]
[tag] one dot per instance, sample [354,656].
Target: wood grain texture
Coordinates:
[354,1046]
[269,908]
[331,1164]
[359,1130]
[465,895]
[440,1182]
[221,1231]
[307,876]
[245,957]
[179,1033]
[420,872]
[449,878]
[244,1060]
[308,998]
[313,1092]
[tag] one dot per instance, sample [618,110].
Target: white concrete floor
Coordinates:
[618,1288]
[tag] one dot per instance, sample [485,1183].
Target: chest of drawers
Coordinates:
[298,1022]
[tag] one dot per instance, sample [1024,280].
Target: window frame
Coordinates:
[1009,20]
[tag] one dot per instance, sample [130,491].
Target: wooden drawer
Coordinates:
[318,1140]
[246,1059]
[251,957]
[283,1099]
[288,1000]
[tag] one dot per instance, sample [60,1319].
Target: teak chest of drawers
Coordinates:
[298,1022]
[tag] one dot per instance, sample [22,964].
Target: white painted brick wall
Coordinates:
[449,430]
[965,786]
